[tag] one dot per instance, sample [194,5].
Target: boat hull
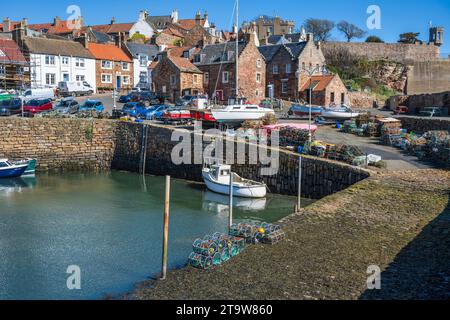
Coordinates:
[303,111]
[14,172]
[238,116]
[259,191]
[337,115]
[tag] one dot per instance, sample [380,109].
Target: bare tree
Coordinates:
[320,28]
[350,30]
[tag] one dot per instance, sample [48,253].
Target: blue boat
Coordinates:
[302,111]
[10,170]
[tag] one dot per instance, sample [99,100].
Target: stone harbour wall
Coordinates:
[81,144]
[59,144]
[422,125]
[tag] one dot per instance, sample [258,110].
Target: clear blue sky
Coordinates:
[397,16]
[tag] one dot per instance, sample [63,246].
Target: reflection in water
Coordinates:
[110,225]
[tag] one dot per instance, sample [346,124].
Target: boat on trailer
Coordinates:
[217,179]
[239,111]
[11,170]
[341,113]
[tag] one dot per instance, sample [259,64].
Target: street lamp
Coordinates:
[310,72]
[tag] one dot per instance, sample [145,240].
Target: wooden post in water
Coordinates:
[166,229]
[230,216]
[299,196]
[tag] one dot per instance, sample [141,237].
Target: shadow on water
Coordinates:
[421,270]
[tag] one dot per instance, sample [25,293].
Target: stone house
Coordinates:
[143,55]
[269,26]
[218,64]
[289,66]
[175,77]
[14,70]
[114,66]
[326,90]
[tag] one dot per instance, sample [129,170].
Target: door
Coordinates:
[66,77]
[118,83]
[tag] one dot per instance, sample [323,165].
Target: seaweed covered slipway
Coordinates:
[398,221]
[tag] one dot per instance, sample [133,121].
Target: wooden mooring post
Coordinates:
[166,229]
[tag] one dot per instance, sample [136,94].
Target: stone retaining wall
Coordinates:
[80,144]
[421,125]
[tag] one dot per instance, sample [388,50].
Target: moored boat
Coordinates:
[303,111]
[31,168]
[341,113]
[11,170]
[238,113]
[217,179]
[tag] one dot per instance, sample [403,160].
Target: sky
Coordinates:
[397,16]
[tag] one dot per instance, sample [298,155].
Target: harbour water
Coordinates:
[110,226]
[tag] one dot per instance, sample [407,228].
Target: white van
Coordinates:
[74,88]
[39,93]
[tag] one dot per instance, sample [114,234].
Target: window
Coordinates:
[2,71]
[258,77]
[65,61]
[164,89]
[173,79]
[225,77]
[275,69]
[143,77]
[106,64]
[80,78]
[342,98]
[66,77]
[50,60]
[288,68]
[195,78]
[206,78]
[257,93]
[79,62]
[126,79]
[258,63]
[303,66]
[284,87]
[125,66]
[143,60]
[2,54]
[269,30]
[106,78]
[332,97]
[50,79]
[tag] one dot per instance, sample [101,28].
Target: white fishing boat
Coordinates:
[217,179]
[240,112]
[340,113]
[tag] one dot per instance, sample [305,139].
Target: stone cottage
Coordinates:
[326,90]
[175,77]
[218,64]
[290,65]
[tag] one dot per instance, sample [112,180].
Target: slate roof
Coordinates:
[159,22]
[139,49]
[184,64]
[294,37]
[56,47]
[295,49]
[277,40]
[10,52]
[214,52]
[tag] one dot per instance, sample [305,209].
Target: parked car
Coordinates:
[92,105]
[10,107]
[155,112]
[67,106]
[136,109]
[40,93]
[131,97]
[139,89]
[37,105]
[431,112]
[74,88]
[149,98]
[5,96]
[401,110]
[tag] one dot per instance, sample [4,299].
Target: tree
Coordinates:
[374,39]
[350,30]
[409,38]
[321,29]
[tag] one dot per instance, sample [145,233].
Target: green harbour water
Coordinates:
[110,226]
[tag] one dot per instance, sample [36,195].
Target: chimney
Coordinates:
[174,16]
[81,21]
[142,15]
[205,16]
[84,40]
[6,25]
[113,20]
[198,18]
[56,21]
[25,22]
[18,35]
[309,37]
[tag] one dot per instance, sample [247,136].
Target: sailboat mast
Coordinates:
[237,48]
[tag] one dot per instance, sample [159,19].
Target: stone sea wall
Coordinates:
[421,125]
[80,144]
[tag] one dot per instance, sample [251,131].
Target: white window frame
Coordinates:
[105,76]
[126,80]
[107,64]
[225,76]
[206,78]
[80,63]
[50,79]
[288,68]
[125,66]
[143,60]
[275,69]
[284,86]
[195,78]
[80,77]
[258,77]
[50,60]
[2,71]
[65,60]
[258,63]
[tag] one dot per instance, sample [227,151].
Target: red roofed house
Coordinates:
[114,65]
[175,76]
[327,90]
[14,73]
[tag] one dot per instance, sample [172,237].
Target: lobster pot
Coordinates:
[235,250]
[200,261]
[225,256]
[217,259]
[239,243]
[205,247]
[257,237]
[274,237]
[219,239]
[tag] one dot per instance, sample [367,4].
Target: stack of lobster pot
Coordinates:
[214,250]
[255,232]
